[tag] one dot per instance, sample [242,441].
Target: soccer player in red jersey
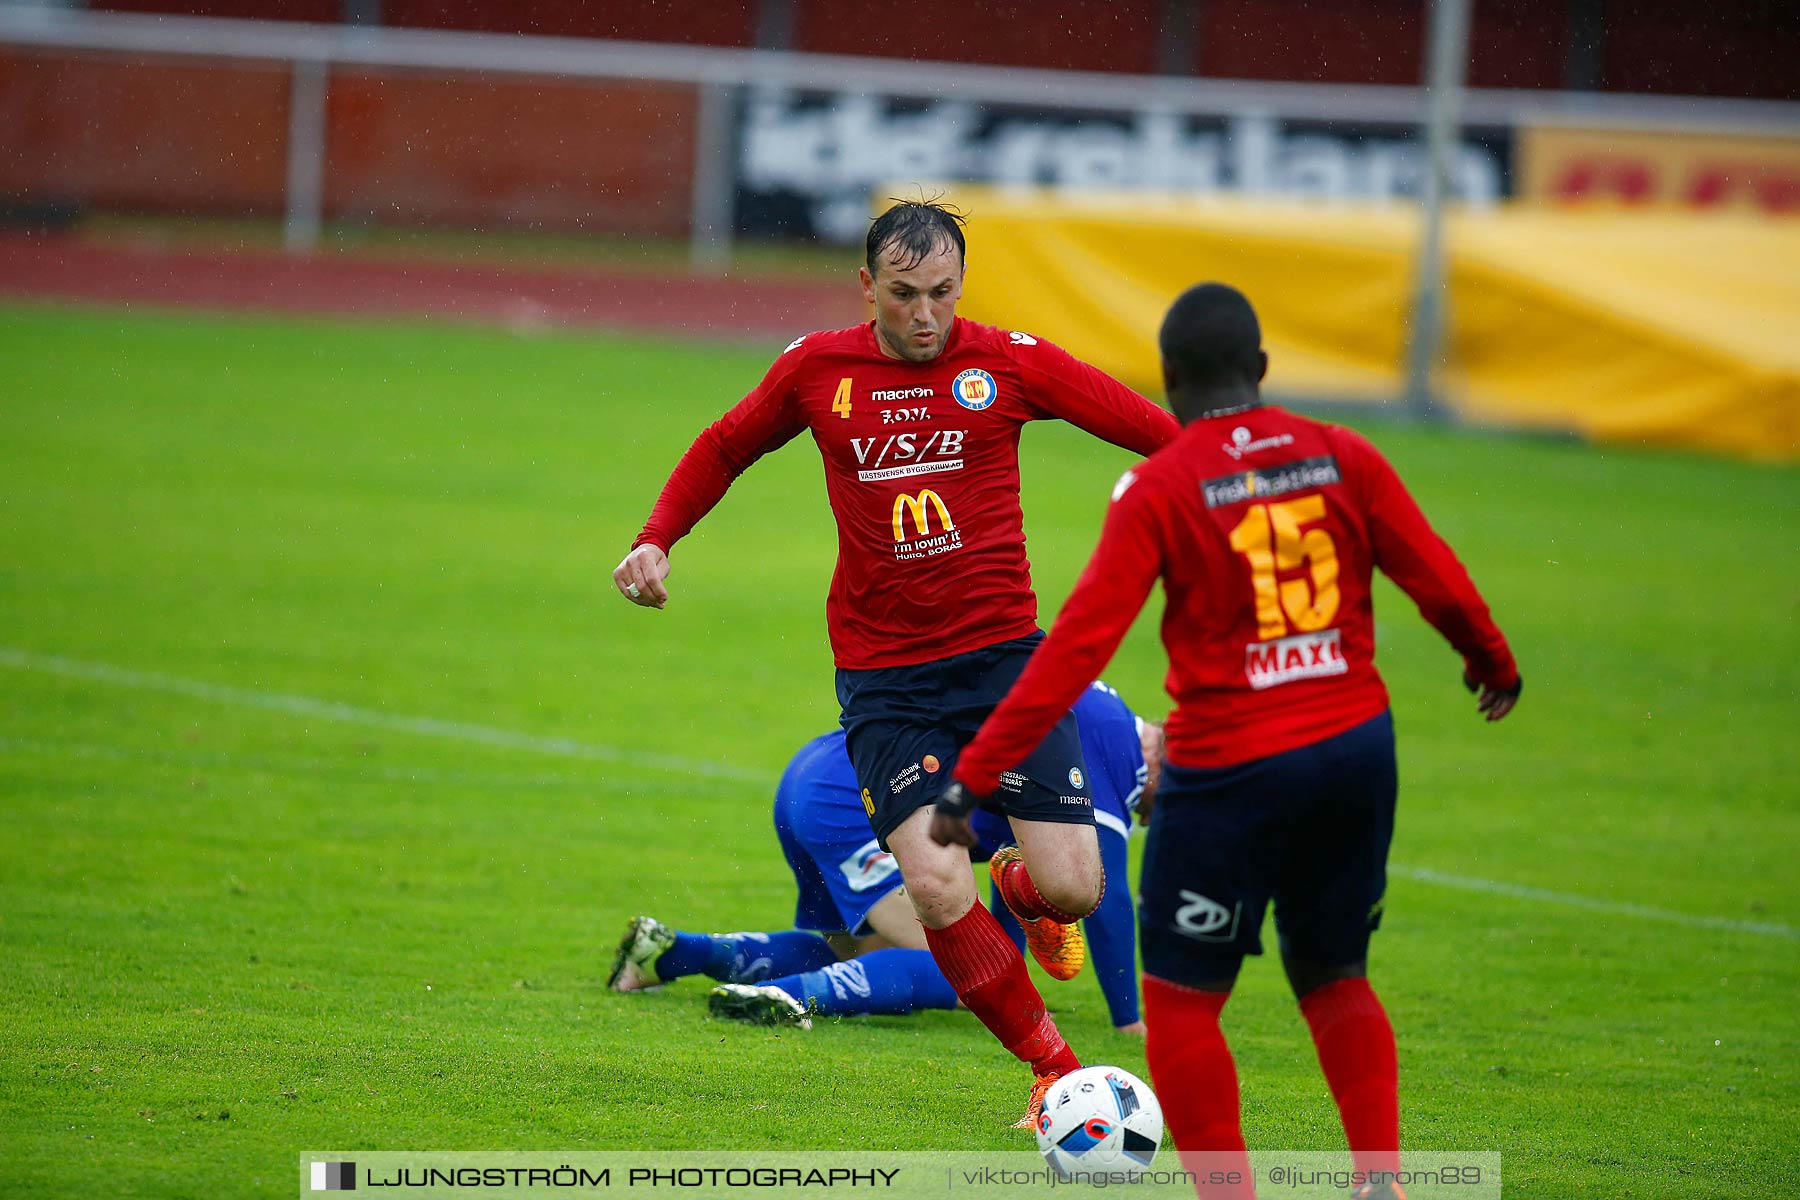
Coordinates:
[1265,528]
[931,614]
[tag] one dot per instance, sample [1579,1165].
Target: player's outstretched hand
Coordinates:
[639,577]
[1493,701]
[950,818]
[1135,1029]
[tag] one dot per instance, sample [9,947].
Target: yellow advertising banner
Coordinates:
[1704,171]
[1656,328]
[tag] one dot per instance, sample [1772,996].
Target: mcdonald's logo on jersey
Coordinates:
[916,535]
[921,507]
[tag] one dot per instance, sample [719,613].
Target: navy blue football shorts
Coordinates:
[1308,828]
[905,725]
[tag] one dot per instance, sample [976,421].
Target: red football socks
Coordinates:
[989,976]
[1196,1080]
[1356,1050]
[1027,903]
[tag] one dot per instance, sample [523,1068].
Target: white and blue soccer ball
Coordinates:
[1099,1120]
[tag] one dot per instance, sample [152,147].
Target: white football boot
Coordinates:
[764,1005]
[634,966]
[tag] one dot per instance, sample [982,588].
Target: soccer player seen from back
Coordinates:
[856,949]
[1265,529]
[917,415]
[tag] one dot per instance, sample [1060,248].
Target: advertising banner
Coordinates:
[807,161]
[1668,329]
[1705,171]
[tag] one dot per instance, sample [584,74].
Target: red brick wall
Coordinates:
[1519,45]
[171,135]
[1065,34]
[705,22]
[322,11]
[615,157]
[1715,48]
[179,136]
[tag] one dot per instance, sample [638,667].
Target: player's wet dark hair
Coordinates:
[914,228]
[1212,340]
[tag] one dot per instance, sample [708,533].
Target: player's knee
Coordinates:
[938,893]
[1066,869]
[1077,893]
[941,909]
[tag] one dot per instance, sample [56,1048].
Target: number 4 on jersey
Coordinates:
[840,403]
[1271,538]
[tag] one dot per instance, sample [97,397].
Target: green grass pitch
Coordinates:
[238,924]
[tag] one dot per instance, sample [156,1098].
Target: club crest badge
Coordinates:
[974,389]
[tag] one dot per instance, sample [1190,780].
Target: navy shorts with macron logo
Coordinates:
[905,725]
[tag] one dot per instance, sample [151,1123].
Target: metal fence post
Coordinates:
[715,180]
[306,155]
[1449,52]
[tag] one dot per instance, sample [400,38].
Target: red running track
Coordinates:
[68,268]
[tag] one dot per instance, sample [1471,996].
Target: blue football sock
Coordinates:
[886,982]
[744,957]
[691,954]
[1112,935]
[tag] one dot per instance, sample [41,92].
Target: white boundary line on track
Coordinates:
[330,710]
[485,735]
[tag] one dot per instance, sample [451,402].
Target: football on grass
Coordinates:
[1099,1120]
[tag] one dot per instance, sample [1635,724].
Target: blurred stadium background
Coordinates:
[263,556]
[1275,141]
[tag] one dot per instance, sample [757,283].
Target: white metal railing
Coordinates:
[596,58]
[718,73]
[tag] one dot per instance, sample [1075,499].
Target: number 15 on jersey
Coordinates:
[1275,541]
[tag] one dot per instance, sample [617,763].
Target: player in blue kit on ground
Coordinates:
[857,947]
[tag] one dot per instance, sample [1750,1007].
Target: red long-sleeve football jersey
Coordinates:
[1265,528]
[922,471]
